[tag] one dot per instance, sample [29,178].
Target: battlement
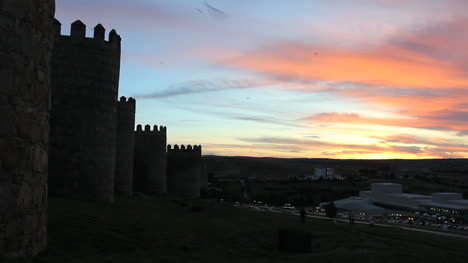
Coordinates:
[184,170]
[130,103]
[189,149]
[150,160]
[78,33]
[147,131]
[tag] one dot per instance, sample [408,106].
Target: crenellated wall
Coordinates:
[150,160]
[184,171]
[125,146]
[85,83]
[25,49]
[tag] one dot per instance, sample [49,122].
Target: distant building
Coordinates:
[324,173]
[391,196]
[385,197]
[305,177]
[447,204]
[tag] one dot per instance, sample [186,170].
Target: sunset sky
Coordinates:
[294,78]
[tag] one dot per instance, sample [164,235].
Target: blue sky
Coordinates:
[334,78]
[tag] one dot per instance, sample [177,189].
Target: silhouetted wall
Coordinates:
[184,171]
[203,177]
[85,82]
[25,50]
[125,146]
[150,160]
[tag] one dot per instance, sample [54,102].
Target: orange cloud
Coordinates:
[383,66]
[421,75]
[447,121]
[387,148]
[430,58]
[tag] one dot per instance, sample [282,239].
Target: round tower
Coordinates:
[184,171]
[25,51]
[125,146]
[85,83]
[150,160]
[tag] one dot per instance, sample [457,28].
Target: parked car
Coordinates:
[288,208]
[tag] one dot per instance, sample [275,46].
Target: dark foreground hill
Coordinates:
[160,230]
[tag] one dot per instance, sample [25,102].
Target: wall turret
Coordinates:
[85,82]
[184,170]
[26,38]
[57,27]
[78,34]
[125,146]
[99,32]
[114,38]
[78,30]
[150,160]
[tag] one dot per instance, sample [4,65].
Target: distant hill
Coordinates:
[280,168]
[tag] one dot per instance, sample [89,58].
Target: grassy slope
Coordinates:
[156,230]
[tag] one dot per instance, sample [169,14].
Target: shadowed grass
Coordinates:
[160,230]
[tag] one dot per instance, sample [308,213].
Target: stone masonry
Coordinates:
[85,82]
[125,146]
[184,171]
[150,160]
[25,50]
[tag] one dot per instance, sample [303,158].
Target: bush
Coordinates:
[330,210]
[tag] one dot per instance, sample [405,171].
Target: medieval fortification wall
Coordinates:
[25,50]
[91,149]
[125,146]
[85,83]
[150,160]
[184,171]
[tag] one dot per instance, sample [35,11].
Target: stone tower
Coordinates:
[125,146]
[184,171]
[85,83]
[25,51]
[150,160]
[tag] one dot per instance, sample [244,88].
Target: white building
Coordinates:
[385,197]
[392,196]
[324,173]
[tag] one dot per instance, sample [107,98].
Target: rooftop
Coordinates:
[445,193]
[410,195]
[357,204]
[456,204]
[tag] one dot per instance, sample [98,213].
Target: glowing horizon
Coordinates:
[364,79]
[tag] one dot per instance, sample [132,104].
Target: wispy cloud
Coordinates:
[444,121]
[201,86]
[425,58]
[386,147]
[214,12]
[396,66]
[129,14]
[267,119]
[422,75]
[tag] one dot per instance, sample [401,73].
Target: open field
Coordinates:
[309,193]
[277,181]
[442,171]
[160,230]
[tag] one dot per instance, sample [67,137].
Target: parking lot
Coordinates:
[406,221]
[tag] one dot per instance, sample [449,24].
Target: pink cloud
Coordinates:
[422,75]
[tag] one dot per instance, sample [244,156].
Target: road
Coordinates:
[409,228]
[412,228]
